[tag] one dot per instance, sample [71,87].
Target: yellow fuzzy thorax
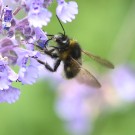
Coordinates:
[65,54]
[72,42]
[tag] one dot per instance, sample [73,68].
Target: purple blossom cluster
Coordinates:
[20,38]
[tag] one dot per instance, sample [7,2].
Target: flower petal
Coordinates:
[66,11]
[9,95]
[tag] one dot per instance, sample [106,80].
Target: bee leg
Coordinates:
[39,47]
[56,65]
[46,43]
[49,52]
[55,47]
[54,55]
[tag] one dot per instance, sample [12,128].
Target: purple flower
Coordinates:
[7,75]
[1,3]
[47,3]
[66,11]
[28,72]
[41,37]
[123,80]
[6,50]
[16,0]
[7,15]
[6,18]
[74,107]
[38,15]
[9,95]
[22,30]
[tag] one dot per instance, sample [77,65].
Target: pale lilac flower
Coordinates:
[16,0]
[28,72]
[66,11]
[74,106]
[6,18]
[21,59]
[41,37]
[22,30]
[7,75]
[47,3]
[123,80]
[38,15]
[4,81]
[6,50]
[9,95]
[9,3]
[1,3]
[39,19]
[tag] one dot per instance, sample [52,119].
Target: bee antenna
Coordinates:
[61,25]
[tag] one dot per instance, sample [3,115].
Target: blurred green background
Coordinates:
[105,28]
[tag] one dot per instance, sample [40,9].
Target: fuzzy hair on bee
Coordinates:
[69,52]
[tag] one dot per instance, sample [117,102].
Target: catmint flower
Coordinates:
[41,37]
[7,75]
[123,80]
[6,18]
[66,11]
[22,56]
[6,49]
[74,104]
[4,82]
[28,72]
[20,30]
[47,3]
[1,3]
[16,0]
[38,15]
[9,95]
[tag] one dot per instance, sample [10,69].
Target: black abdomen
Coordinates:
[71,69]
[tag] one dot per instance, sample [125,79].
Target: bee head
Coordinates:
[61,39]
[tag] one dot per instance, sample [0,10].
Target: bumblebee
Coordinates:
[70,53]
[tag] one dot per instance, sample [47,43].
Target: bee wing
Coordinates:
[84,76]
[100,60]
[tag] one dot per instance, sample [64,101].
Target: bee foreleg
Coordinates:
[46,43]
[56,65]
[39,47]
[49,52]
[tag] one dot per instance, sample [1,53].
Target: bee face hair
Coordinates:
[61,39]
